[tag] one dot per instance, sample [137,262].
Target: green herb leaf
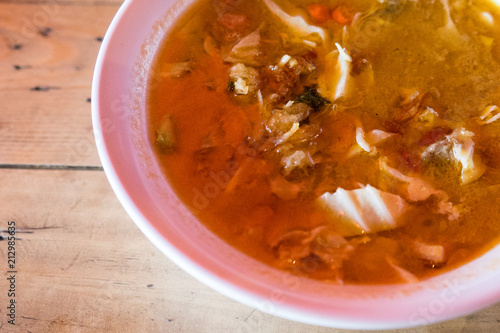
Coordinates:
[311,97]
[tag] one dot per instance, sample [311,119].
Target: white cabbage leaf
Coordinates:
[419,190]
[489,115]
[335,81]
[459,147]
[463,151]
[296,23]
[246,50]
[363,210]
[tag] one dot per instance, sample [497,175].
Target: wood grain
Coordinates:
[83,266]
[45,80]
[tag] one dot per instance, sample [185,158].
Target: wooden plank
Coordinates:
[46,69]
[83,266]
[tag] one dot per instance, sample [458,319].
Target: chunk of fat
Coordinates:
[363,210]
[297,23]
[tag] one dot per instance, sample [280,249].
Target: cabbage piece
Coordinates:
[361,145]
[377,136]
[296,23]
[210,45]
[335,81]
[463,151]
[459,147]
[364,210]
[246,50]
[367,142]
[496,2]
[165,135]
[490,114]
[344,64]
[176,69]
[432,253]
[419,190]
[449,31]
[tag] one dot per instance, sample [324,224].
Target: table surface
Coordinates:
[81,263]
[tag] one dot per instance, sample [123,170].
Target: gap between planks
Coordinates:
[50,167]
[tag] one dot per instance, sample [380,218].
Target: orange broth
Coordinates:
[256,181]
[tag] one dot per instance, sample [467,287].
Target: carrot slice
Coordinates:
[339,16]
[319,13]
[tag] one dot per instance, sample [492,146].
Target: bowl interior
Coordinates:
[118,101]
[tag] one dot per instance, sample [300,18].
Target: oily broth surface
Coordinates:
[252,217]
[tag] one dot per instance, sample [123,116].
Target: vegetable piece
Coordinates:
[360,139]
[297,23]
[298,159]
[210,45]
[246,50]
[165,135]
[311,97]
[377,136]
[449,31]
[458,147]
[176,70]
[432,253]
[336,81]
[242,79]
[463,151]
[339,16]
[419,190]
[365,143]
[490,114]
[319,13]
[363,210]
[495,2]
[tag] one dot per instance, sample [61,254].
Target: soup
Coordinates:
[346,141]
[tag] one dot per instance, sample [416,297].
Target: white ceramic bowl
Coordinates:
[118,103]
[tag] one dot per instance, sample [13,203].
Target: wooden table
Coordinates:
[81,264]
